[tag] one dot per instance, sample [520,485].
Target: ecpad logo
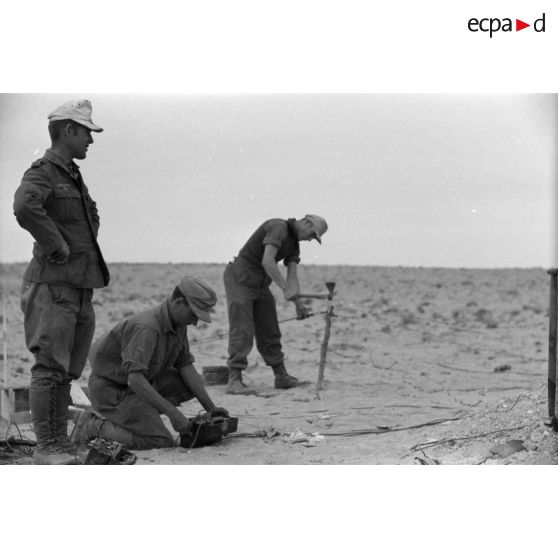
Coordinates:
[492,25]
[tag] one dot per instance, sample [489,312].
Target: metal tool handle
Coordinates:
[553,321]
[5,342]
[299,296]
[323,349]
[330,285]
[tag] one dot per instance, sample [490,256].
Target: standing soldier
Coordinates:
[250,304]
[54,205]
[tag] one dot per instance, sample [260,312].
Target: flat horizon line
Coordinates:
[395,266]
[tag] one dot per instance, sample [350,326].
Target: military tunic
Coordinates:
[250,304]
[54,205]
[146,343]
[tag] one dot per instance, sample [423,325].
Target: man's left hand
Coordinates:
[219,412]
[302,312]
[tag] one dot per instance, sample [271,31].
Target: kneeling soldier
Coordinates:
[143,368]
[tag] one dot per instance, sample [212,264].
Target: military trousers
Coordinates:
[59,323]
[252,314]
[121,406]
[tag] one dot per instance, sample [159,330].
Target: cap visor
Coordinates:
[203,315]
[90,125]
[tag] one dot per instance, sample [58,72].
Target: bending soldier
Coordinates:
[250,304]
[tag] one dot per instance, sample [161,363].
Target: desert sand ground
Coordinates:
[425,366]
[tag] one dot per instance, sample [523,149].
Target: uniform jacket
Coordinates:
[281,233]
[146,343]
[54,205]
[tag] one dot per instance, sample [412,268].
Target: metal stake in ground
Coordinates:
[327,316]
[323,352]
[553,319]
[5,341]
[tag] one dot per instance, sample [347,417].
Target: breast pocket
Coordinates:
[67,203]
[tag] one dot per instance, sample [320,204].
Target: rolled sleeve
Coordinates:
[138,346]
[276,234]
[293,258]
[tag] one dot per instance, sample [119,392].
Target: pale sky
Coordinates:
[439,180]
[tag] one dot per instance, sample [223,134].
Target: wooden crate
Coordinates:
[215,375]
[14,404]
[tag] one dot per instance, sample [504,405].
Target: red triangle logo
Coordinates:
[519,25]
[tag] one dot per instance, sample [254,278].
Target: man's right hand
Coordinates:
[60,256]
[219,412]
[179,422]
[290,292]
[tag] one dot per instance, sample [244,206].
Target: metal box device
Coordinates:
[207,430]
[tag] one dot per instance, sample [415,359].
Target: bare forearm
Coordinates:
[292,277]
[272,270]
[146,392]
[194,382]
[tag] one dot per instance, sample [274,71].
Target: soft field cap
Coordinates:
[320,225]
[199,296]
[79,111]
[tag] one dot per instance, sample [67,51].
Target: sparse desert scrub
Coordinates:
[407,346]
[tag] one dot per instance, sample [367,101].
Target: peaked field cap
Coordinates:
[199,296]
[320,225]
[79,111]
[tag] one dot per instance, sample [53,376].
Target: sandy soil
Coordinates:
[464,350]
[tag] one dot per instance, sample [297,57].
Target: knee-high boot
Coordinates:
[63,399]
[42,401]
